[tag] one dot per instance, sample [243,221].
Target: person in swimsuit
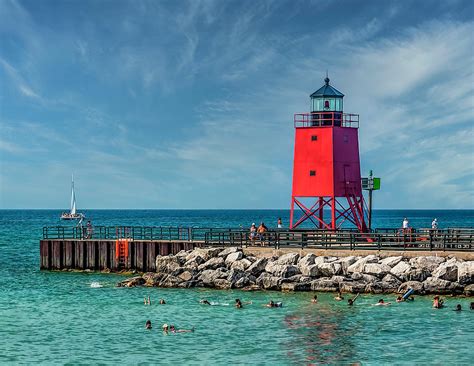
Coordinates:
[351,302]
[162,301]
[437,302]
[382,303]
[148,324]
[174,330]
[458,307]
[339,296]
[205,302]
[314,300]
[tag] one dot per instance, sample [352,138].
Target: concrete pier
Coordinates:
[97,255]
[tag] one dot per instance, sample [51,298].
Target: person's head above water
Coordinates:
[165,327]
[350,302]
[162,301]
[148,324]
[458,307]
[381,301]
[472,305]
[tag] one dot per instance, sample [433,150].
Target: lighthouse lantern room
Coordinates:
[326,166]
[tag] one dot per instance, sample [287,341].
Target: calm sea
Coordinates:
[51,318]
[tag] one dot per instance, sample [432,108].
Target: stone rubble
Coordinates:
[230,268]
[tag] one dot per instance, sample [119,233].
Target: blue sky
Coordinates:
[189,104]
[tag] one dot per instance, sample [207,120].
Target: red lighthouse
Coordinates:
[326,166]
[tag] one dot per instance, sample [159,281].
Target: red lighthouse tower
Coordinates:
[326,167]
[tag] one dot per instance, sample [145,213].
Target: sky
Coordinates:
[189,104]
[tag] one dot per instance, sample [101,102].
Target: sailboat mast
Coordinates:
[73,197]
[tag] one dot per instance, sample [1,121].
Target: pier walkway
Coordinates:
[136,247]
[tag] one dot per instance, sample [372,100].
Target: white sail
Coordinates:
[73,198]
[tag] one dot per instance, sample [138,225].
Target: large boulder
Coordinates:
[364,277]
[281,270]
[242,264]
[170,281]
[434,285]
[231,258]
[417,274]
[167,264]
[324,284]
[213,263]
[132,282]
[209,276]
[359,265]
[429,263]
[353,286]
[447,271]
[288,259]
[346,262]
[390,278]
[376,269]
[296,286]
[186,276]
[391,261]
[306,261]
[329,269]
[203,254]
[222,283]
[469,290]
[311,271]
[401,269]
[234,275]
[257,267]
[269,282]
[415,285]
[466,273]
[228,251]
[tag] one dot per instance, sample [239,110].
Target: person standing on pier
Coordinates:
[405,224]
[279,223]
[434,224]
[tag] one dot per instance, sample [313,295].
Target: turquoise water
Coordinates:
[52,317]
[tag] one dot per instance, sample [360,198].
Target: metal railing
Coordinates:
[379,239]
[326,119]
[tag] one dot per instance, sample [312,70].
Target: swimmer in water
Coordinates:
[147,301]
[351,302]
[339,296]
[148,324]
[239,304]
[458,307]
[165,328]
[382,303]
[437,302]
[174,330]
[472,305]
[272,304]
[205,302]
[162,302]
[314,300]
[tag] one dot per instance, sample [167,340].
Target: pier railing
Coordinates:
[459,239]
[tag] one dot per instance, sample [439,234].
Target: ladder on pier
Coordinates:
[121,247]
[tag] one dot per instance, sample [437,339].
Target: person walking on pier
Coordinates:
[434,224]
[253,232]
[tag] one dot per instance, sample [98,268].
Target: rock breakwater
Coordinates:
[230,268]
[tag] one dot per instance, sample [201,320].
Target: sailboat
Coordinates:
[72,215]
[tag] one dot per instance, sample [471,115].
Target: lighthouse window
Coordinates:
[312,173]
[326,104]
[314,138]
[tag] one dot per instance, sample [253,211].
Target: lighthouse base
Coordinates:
[349,210]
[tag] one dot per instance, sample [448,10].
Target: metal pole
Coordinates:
[370,209]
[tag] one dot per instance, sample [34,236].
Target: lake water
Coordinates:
[52,317]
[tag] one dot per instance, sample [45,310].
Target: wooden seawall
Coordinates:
[97,255]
